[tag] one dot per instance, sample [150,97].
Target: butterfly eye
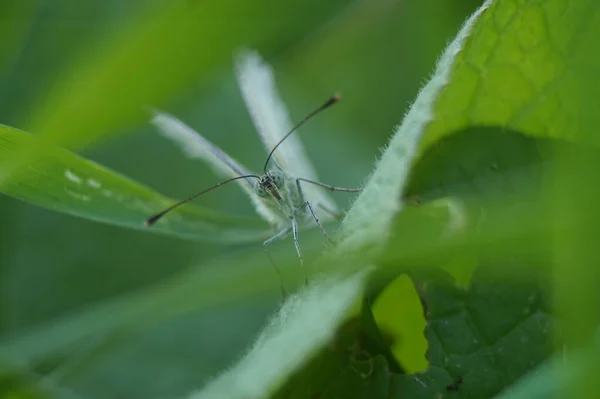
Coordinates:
[260,190]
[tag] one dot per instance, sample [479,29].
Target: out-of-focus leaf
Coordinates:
[493,171]
[67,183]
[18,382]
[348,40]
[557,376]
[575,196]
[198,288]
[482,162]
[167,47]
[17,19]
[149,60]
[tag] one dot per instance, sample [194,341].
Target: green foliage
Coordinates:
[484,197]
[473,336]
[526,67]
[64,182]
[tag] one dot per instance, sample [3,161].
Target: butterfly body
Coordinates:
[282,194]
[277,194]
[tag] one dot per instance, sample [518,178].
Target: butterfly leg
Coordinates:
[312,212]
[330,187]
[335,214]
[277,270]
[314,215]
[296,242]
[297,245]
[277,236]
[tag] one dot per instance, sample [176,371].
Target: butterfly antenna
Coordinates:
[332,100]
[150,221]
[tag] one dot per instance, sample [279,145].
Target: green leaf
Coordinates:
[16,27]
[366,226]
[519,64]
[302,326]
[67,183]
[530,66]
[343,369]
[495,178]
[486,336]
[489,334]
[481,163]
[403,325]
[481,166]
[499,175]
[575,194]
[19,382]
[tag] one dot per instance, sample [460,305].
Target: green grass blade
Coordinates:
[64,182]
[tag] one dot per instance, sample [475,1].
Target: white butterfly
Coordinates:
[279,194]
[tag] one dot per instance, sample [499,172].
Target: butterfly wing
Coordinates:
[272,122]
[196,146]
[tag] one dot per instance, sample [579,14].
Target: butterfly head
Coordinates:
[268,186]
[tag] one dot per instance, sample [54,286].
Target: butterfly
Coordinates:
[288,190]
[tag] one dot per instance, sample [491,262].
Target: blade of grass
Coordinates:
[62,181]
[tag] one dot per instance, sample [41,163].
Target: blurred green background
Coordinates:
[376,53]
